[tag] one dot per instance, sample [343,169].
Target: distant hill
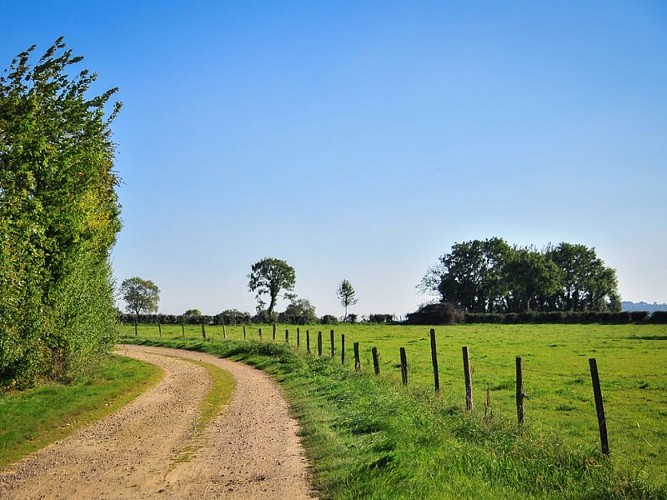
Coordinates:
[643,306]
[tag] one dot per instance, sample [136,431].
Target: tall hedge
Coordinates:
[59,216]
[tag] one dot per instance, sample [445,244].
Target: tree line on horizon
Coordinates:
[491,276]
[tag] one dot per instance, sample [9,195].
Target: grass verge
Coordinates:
[367,437]
[32,419]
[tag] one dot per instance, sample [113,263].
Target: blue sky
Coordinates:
[360,140]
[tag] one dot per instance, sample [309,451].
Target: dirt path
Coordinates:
[251,450]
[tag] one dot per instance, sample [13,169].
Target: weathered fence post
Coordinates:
[404,366]
[244,332]
[599,406]
[319,343]
[159,328]
[468,378]
[286,336]
[182,329]
[357,361]
[274,331]
[260,334]
[298,337]
[519,390]
[434,359]
[203,330]
[308,341]
[135,327]
[342,348]
[331,337]
[376,360]
[224,332]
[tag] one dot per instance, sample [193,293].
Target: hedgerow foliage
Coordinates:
[59,216]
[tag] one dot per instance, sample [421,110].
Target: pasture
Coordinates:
[559,405]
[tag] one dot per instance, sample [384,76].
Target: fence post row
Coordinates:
[519,390]
[599,406]
[434,359]
[404,366]
[357,361]
[468,378]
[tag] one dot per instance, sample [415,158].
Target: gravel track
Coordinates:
[250,450]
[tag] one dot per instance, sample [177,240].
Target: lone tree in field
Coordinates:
[268,277]
[140,295]
[346,293]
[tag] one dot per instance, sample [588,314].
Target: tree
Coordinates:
[140,295]
[192,312]
[533,279]
[471,275]
[587,284]
[298,312]
[346,295]
[59,216]
[269,277]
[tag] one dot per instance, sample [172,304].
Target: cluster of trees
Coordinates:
[491,276]
[59,216]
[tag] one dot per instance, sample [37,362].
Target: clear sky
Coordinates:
[361,139]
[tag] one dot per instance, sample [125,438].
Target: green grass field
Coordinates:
[631,361]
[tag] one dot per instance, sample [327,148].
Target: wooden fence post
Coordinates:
[342,348]
[468,378]
[319,343]
[182,330]
[331,337]
[159,329]
[260,334]
[376,361]
[203,331]
[287,336]
[224,332]
[404,366]
[519,390]
[298,337]
[434,359]
[308,341]
[599,406]
[357,361]
[274,332]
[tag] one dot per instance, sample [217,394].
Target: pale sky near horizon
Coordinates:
[362,139]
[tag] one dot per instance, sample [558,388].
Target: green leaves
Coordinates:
[490,276]
[59,217]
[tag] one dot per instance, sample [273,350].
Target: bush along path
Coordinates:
[158,446]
